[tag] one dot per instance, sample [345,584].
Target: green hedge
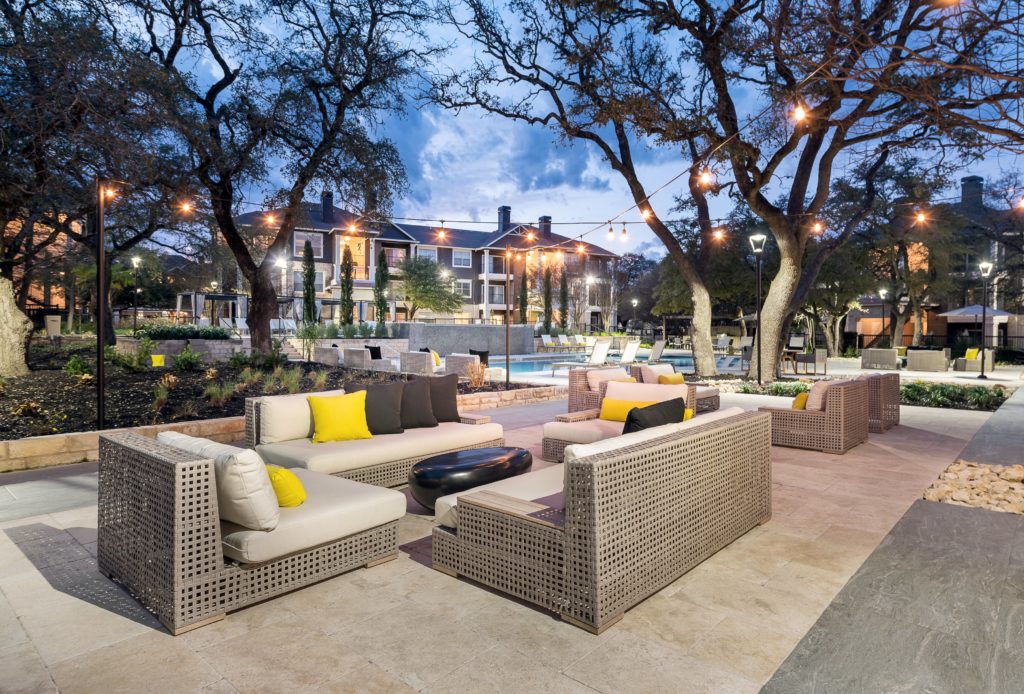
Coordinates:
[183,332]
[953,395]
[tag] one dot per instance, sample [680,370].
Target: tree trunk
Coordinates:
[831,335]
[837,337]
[704,363]
[262,308]
[775,311]
[15,328]
[98,304]
[918,320]
[898,326]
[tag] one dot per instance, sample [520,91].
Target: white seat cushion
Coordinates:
[334,508]
[334,457]
[645,392]
[706,392]
[287,417]
[595,377]
[533,485]
[245,495]
[586,431]
[578,450]
[649,374]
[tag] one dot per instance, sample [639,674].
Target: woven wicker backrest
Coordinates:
[639,517]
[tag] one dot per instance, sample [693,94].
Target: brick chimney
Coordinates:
[327,207]
[544,226]
[971,191]
[504,218]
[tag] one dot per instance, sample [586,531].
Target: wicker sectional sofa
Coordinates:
[635,513]
[841,425]
[161,535]
[279,427]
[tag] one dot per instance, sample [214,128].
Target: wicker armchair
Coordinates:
[359,358]
[634,520]
[883,402]
[421,363]
[842,425]
[581,397]
[963,364]
[460,363]
[928,360]
[159,534]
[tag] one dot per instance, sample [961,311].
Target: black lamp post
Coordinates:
[136,262]
[101,314]
[881,295]
[986,272]
[635,303]
[757,242]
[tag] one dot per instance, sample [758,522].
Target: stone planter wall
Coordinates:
[211,350]
[63,449]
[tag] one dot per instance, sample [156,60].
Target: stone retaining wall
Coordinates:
[211,350]
[63,449]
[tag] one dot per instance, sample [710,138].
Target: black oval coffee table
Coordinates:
[449,473]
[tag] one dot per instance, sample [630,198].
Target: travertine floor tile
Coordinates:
[497,670]
[23,671]
[749,648]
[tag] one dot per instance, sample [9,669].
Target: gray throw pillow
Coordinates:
[417,411]
[383,406]
[444,396]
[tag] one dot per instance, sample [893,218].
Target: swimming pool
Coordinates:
[528,366]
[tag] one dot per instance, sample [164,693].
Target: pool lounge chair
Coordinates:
[565,343]
[548,345]
[722,344]
[629,353]
[656,351]
[598,356]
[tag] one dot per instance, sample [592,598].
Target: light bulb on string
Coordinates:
[705,178]
[611,232]
[799,113]
[270,219]
[920,218]
[718,233]
[1021,204]
[441,233]
[625,234]
[581,248]
[645,213]
[817,227]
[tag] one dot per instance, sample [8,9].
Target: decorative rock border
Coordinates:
[993,487]
[78,447]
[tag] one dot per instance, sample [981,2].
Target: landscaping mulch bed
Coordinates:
[50,401]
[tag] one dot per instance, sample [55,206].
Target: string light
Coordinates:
[529,236]
[645,213]
[352,228]
[921,218]
[441,233]
[718,233]
[625,234]
[581,248]
[270,219]
[817,228]
[706,179]
[611,232]
[799,113]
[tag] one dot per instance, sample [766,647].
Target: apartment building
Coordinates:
[475,262]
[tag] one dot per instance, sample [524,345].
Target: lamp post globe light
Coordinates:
[757,242]
[986,272]
[136,262]
[881,295]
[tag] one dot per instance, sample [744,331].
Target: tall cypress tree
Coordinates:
[524,302]
[347,304]
[547,299]
[563,300]
[381,278]
[308,284]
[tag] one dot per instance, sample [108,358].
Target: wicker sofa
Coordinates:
[280,428]
[707,399]
[928,360]
[964,364]
[160,533]
[841,425]
[359,358]
[634,514]
[879,358]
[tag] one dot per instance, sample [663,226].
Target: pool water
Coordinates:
[544,365]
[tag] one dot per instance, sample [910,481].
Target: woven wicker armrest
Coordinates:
[581,416]
[529,511]
[789,412]
[467,418]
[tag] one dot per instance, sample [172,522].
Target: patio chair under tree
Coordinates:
[813,360]
[746,346]
[598,357]
[841,424]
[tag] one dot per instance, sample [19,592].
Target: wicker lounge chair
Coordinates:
[160,535]
[632,520]
[839,427]
[581,395]
[883,402]
[359,358]
[964,364]
[885,359]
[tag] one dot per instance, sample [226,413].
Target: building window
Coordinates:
[395,256]
[318,283]
[497,265]
[462,258]
[465,287]
[428,253]
[496,294]
[315,240]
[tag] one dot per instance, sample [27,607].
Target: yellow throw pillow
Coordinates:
[157,359]
[287,486]
[437,358]
[687,414]
[800,401]
[670,379]
[972,354]
[616,410]
[339,417]
[630,379]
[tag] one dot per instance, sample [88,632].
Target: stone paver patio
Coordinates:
[724,627]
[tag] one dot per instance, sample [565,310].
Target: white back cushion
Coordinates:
[645,392]
[244,494]
[816,396]
[583,450]
[287,417]
[649,374]
[595,377]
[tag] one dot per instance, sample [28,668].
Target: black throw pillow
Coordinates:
[417,412]
[383,406]
[425,349]
[668,412]
[374,351]
[444,396]
[484,355]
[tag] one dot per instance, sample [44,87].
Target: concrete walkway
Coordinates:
[726,626]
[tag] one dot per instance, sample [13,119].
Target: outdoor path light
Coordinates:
[757,242]
[986,272]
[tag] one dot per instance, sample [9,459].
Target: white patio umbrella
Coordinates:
[972,313]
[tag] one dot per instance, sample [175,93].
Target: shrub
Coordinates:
[83,380]
[77,366]
[291,380]
[219,393]
[308,334]
[953,395]
[380,330]
[210,374]
[781,388]
[365,330]
[269,382]
[475,374]
[156,331]
[348,331]
[250,376]
[187,360]
[28,409]
[395,331]
[187,410]
[318,379]
[239,360]
[169,381]
[160,396]
[330,330]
